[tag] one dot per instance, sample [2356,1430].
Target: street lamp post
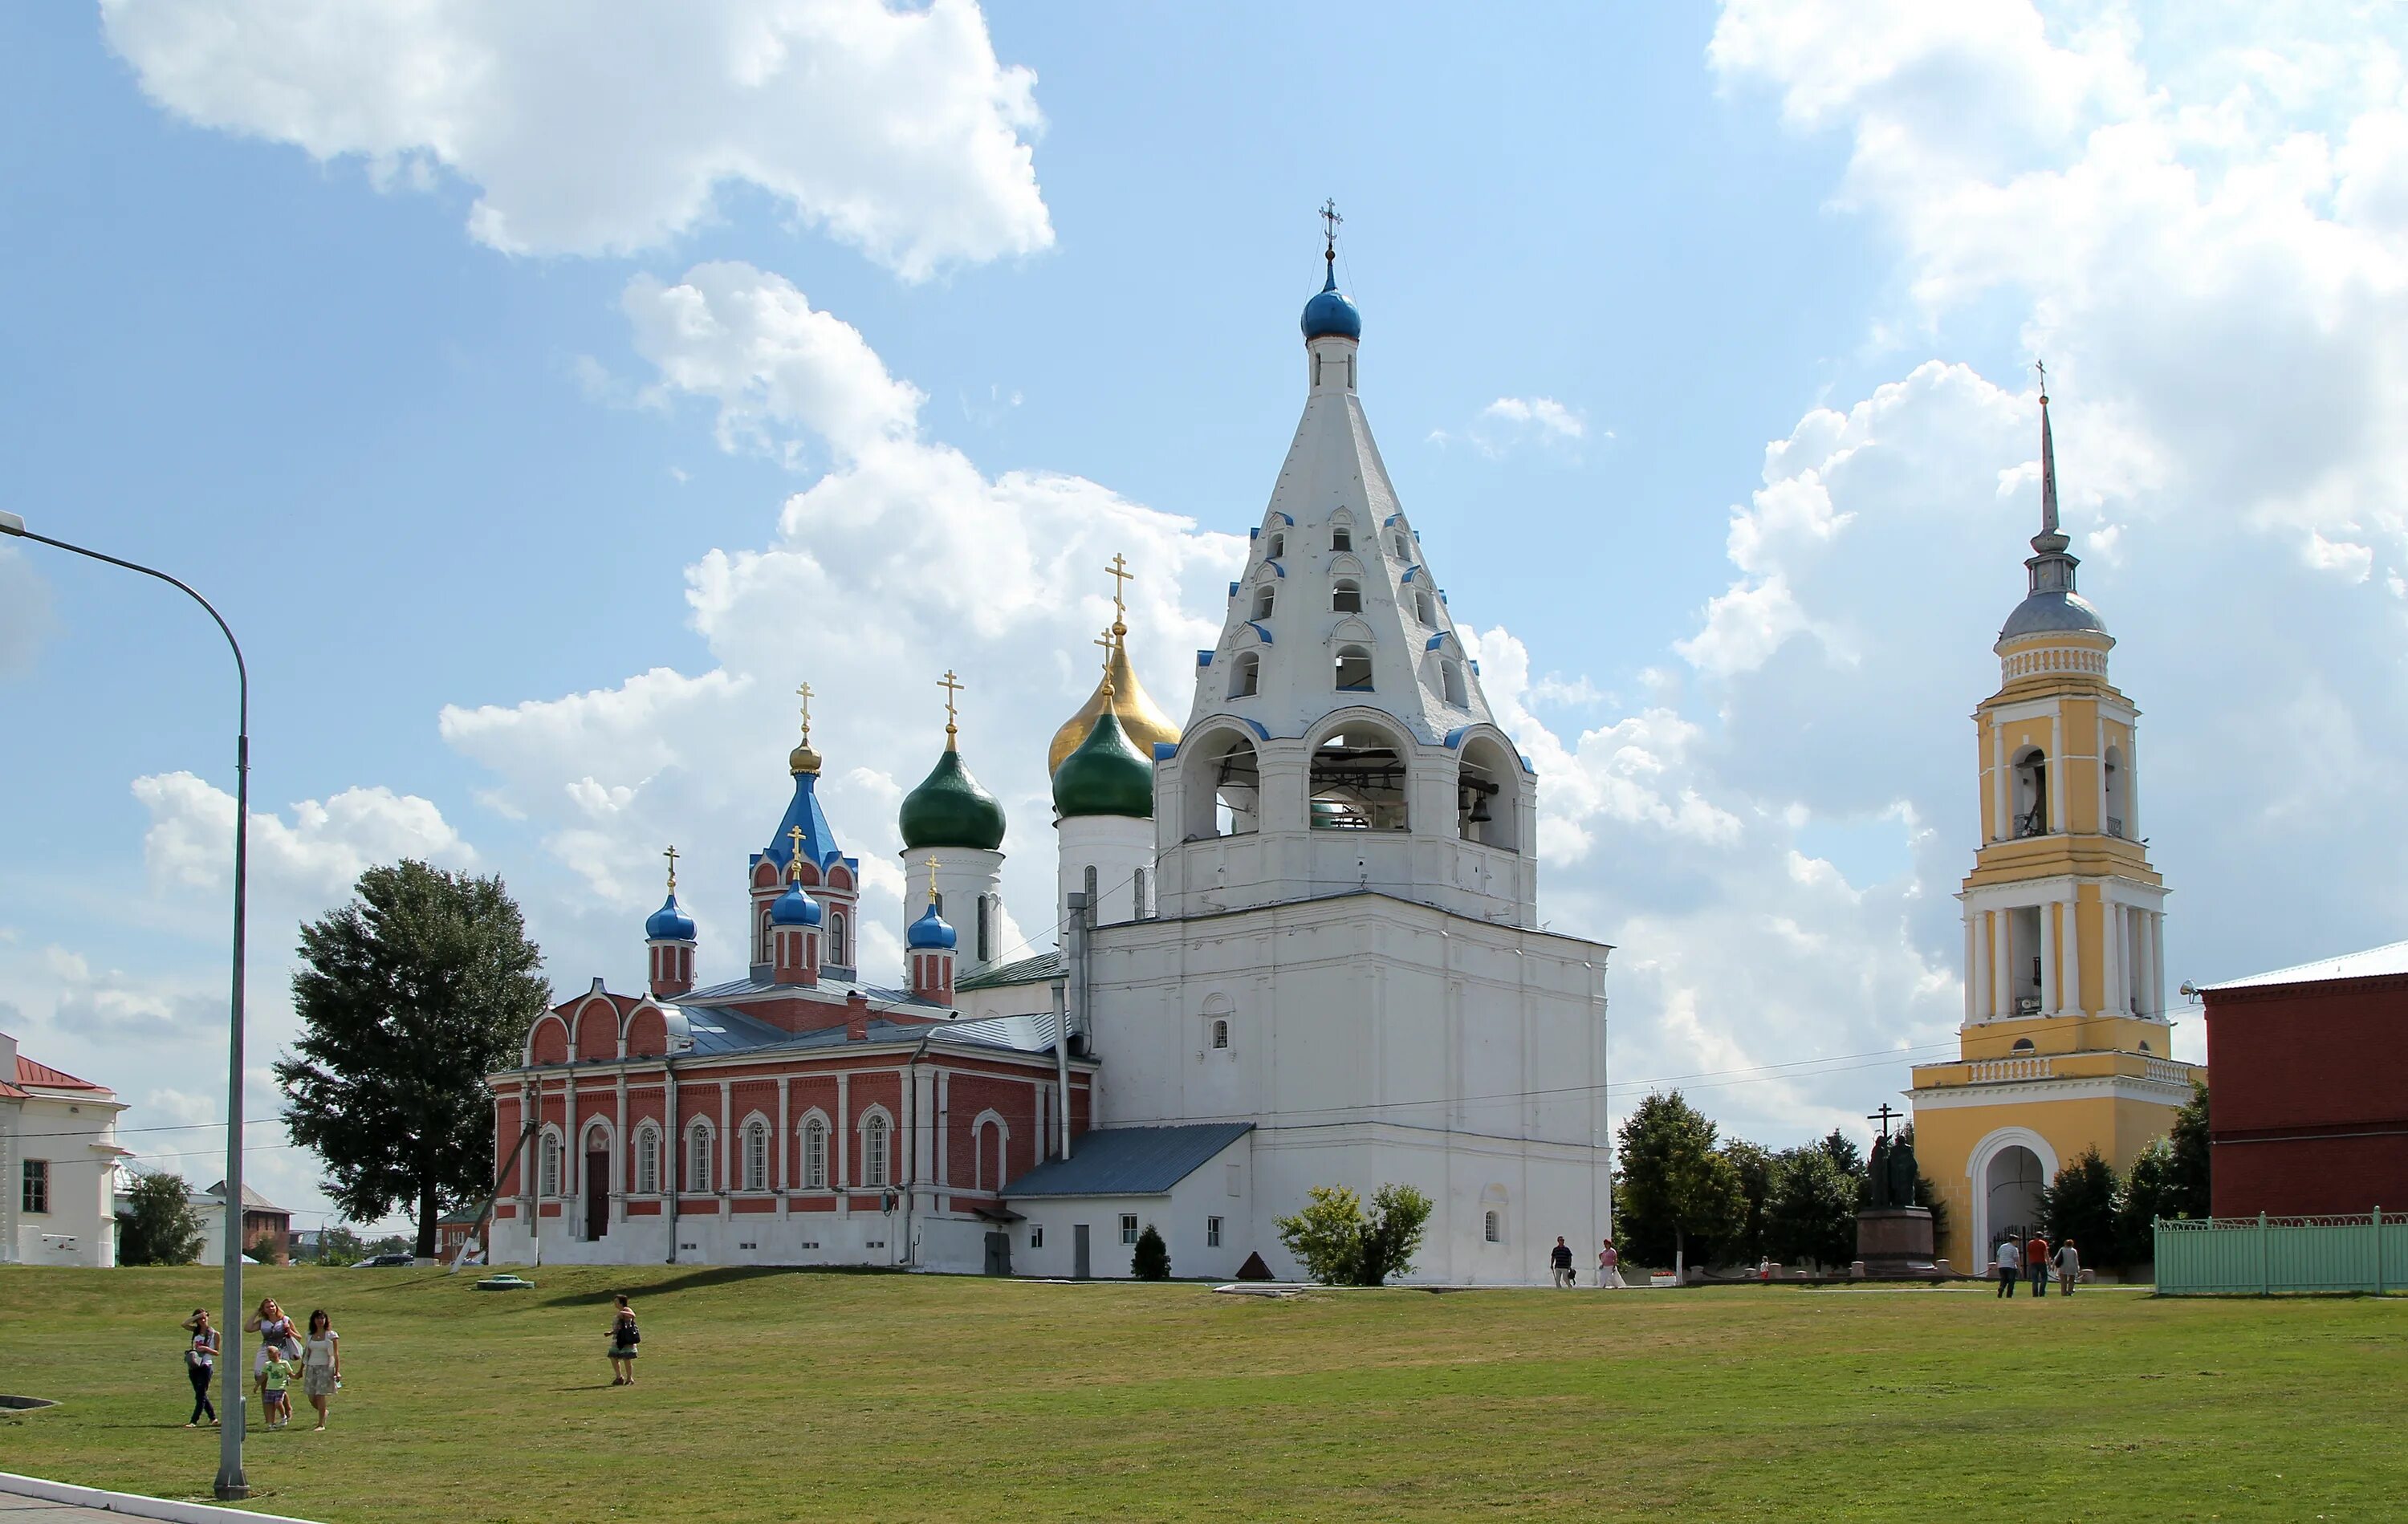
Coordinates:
[230,1482]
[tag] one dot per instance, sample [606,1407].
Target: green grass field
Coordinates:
[772,1395]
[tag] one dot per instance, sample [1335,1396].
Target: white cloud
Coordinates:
[610,127]
[313,859]
[1511,423]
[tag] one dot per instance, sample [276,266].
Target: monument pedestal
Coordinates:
[1895,1242]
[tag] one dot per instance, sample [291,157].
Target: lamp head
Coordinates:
[11,523]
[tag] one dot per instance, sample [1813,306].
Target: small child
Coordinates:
[277,1376]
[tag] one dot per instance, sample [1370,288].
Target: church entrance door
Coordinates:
[597,1195]
[999,1254]
[1079,1270]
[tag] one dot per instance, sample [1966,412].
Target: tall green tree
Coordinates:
[2188,1192]
[1754,1163]
[1844,1152]
[159,1226]
[1813,1215]
[2081,1204]
[1672,1188]
[408,996]
[2147,1185]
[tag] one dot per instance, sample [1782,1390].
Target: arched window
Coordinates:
[698,1156]
[988,1143]
[548,1180]
[756,1155]
[1221,1032]
[1278,546]
[2116,783]
[1402,546]
[1087,882]
[815,1173]
[2023,1045]
[1341,539]
[1425,607]
[1486,795]
[648,1160]
[1346,596]
[873,1152]
[985,928]
[1450,677]
[1352,669]
[1222,784]
[2030,794]
[1263,602]
[839,940]
[1359,780]
[1246,676]
[1492,1227]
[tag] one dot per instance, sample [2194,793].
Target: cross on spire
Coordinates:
[953,686]
[932,879]
[2047,461]
[672,855]
[1120,574]
[804,692]
[1110,646]
[1885,1116]
[1329,220]
[795,863]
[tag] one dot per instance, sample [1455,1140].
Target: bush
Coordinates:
[2081,1206]
[1152,1260]
[1812,1213]
[160,1226]
[1338,1245]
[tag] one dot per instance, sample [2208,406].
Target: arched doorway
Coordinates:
[2010,1189]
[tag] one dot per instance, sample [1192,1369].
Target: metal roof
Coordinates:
[1129,1161]
[2374,962]
[1037,970]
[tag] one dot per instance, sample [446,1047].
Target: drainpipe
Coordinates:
[911,1138]
[671,1145]
[1062,1064]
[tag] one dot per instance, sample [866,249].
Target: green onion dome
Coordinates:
[1105,775]
[950,810]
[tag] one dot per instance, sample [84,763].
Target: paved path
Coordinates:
[19,1506]
[16,1508]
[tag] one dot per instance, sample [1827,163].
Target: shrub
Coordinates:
[1338,1246]
[160,1226]
[1152,1260]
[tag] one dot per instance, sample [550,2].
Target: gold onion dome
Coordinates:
[1119,692]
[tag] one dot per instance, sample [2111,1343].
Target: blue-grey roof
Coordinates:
[1040,969]
[721,1029]
[2052,613]
[1129,1161]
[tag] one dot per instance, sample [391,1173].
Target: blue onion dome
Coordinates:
[795,908]
[1105,775]
[931,932]
[950,810]
[669,923]
[1331,315]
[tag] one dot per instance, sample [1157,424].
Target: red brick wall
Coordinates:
[2310,1109]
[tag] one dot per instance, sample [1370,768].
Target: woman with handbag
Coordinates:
[625,1338]
[321,1364]
[201,1364]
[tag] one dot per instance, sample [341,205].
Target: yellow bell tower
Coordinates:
[2066,1045]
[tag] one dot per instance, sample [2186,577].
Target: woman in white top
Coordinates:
[200,1364]
[321,1364]
[276,1331]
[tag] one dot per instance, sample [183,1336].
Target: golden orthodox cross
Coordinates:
[932,880]
[795,866]
[804,692]
[953,686]
[671,854]
[1120,574]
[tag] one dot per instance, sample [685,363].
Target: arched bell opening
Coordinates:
[1223,783]
[2030,794]
[1486,801]
[1359,780]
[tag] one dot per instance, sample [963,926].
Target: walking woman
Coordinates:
[276,1334]
[321,1364]
[625,1338]
[201,1364]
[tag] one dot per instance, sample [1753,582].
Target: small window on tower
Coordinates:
[1279,546]
[1221,1031]
[1263,602]
[1493,1229]
[985,931]
[1341,539]
[2023,1045]
[1352,669]
[1425,607]
[1346,596]
[1246,676]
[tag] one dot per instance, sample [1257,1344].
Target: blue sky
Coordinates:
[398,389]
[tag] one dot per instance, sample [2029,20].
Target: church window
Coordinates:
[1279,546]
[839,940]
[1450,677]
[816,1155]
[1425,607]
[1316,367]
[1128,1226]
[1485,798]
[873,1152]
[1402,546]
[1222,787]
[985,928]
[1358,781]
[33,1188]
[2115,784]
[697,1167]
[1492,1228]
[1350,372]
[2030,794]
[1036,1235]
[1088,882]
[2023,1045]
[1341,539]
[549,1177]
[1221,1032]
[648,1161]
[1212,1233]
[1346,596]
[1245,676]
[1352,669]
[1263,602]
[756,1156]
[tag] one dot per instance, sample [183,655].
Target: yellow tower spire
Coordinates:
[1118,691]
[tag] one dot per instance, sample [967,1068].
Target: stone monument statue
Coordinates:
[1893,1234]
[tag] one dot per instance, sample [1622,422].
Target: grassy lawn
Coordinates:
[772,1395]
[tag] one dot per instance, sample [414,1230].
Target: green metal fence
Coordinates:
[2263,1255]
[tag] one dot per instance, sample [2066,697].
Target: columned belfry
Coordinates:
[2066,1044]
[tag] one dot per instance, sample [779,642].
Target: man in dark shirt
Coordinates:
[1560,1257]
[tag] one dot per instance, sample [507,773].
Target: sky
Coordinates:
[542,393]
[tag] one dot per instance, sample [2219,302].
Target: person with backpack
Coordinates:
[625,1338]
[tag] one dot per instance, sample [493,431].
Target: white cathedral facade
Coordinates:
[1299,946]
